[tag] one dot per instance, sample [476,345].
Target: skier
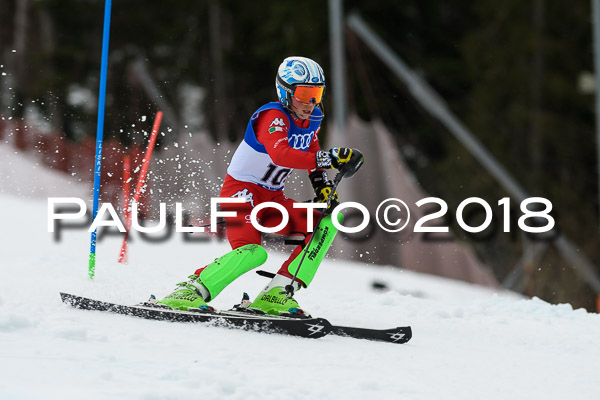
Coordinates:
[280,136]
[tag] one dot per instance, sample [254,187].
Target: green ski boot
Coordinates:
[188,295]
[275,301]
[214,278]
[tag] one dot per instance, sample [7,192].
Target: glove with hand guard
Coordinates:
[336,157]
[323,189]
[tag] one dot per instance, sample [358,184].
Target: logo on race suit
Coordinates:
[300,141]
[245,194]
[277,143]
[278,122]
[276,125]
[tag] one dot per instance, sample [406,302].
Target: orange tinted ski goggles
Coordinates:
[309,94]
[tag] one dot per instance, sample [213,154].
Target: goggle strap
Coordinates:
[285,85]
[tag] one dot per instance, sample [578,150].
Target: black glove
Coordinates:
[334,158]
[323,189]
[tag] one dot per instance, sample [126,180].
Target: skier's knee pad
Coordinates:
[320,244]
[227,268]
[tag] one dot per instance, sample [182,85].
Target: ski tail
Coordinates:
[308,328]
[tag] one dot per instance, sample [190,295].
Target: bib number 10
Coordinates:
[536,214]
[275,175]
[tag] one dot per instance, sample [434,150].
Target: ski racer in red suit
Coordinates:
[280,137]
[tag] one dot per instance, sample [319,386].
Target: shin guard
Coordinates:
[323,237]
[227,268]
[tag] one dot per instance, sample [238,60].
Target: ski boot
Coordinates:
[274,300]
[188,296]
[209,281]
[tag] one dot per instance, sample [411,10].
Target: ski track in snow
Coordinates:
[468,343]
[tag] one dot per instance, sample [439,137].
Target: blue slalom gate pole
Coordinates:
[99,134]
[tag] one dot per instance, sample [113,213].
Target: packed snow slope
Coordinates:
[468,342]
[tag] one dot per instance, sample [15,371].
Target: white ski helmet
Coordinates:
[297,71]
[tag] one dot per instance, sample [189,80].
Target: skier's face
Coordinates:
[302,110]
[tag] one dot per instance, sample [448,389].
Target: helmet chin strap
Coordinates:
[320,105]
[310,117]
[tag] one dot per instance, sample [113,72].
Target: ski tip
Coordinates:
[401,334]
[398,335]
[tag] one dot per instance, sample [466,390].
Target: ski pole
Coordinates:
[349,169]
[289,289]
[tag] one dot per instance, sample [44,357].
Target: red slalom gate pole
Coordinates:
[141,182]
[126,201]
[126,184]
